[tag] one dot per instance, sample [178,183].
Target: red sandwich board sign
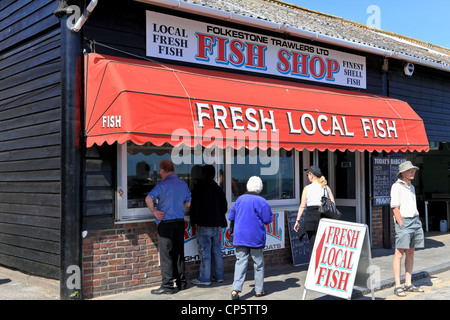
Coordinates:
[341,258]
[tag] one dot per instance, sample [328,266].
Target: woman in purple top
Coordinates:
[248,216]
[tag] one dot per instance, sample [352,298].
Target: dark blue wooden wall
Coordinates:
[428,92]
[30,136]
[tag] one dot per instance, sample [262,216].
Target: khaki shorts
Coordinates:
[410,234]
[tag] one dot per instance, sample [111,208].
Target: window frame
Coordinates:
[144,214]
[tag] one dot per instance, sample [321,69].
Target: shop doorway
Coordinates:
[344,173]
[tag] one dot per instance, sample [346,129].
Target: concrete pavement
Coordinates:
[436,288]
[281,282]
[15,285]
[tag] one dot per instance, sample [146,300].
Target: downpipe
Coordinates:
[86,13]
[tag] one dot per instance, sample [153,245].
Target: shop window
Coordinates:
[138,173]
[143,172]
[275,168]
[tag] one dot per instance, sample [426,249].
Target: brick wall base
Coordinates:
[120,259]
[377,228]
[126,258]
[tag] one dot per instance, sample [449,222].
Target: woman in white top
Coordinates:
[311,199]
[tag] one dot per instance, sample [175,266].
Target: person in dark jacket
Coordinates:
[249,215]
[208,209]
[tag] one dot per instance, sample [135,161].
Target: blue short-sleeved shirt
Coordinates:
[172,193]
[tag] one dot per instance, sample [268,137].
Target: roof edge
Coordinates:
[363,26]
[188,7]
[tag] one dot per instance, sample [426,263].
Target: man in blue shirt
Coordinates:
[172,195]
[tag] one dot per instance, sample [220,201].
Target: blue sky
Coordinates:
[423,20]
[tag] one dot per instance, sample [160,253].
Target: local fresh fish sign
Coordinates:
[341,256]
[174,38]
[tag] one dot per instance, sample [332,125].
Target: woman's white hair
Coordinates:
[254,184]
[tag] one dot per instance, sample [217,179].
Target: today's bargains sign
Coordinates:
[335,262]
[174,38]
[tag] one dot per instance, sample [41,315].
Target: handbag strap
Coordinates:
[325,191]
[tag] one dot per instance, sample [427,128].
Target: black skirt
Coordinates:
[311,220]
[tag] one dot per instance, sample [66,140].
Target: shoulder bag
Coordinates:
[327,208]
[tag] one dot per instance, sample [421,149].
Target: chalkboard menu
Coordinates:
[300,249]
[385,171]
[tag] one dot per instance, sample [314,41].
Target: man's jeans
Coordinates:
[208,239]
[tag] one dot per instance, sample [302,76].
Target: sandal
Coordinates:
[400,292]
[235,295]
[413,288]
[260,294]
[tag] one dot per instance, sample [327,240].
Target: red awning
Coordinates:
[130,100]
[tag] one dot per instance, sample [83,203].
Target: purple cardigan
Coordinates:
[250,213]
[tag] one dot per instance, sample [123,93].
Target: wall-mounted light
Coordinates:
[408,69]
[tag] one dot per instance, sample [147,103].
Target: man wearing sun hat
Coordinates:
[408,228]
